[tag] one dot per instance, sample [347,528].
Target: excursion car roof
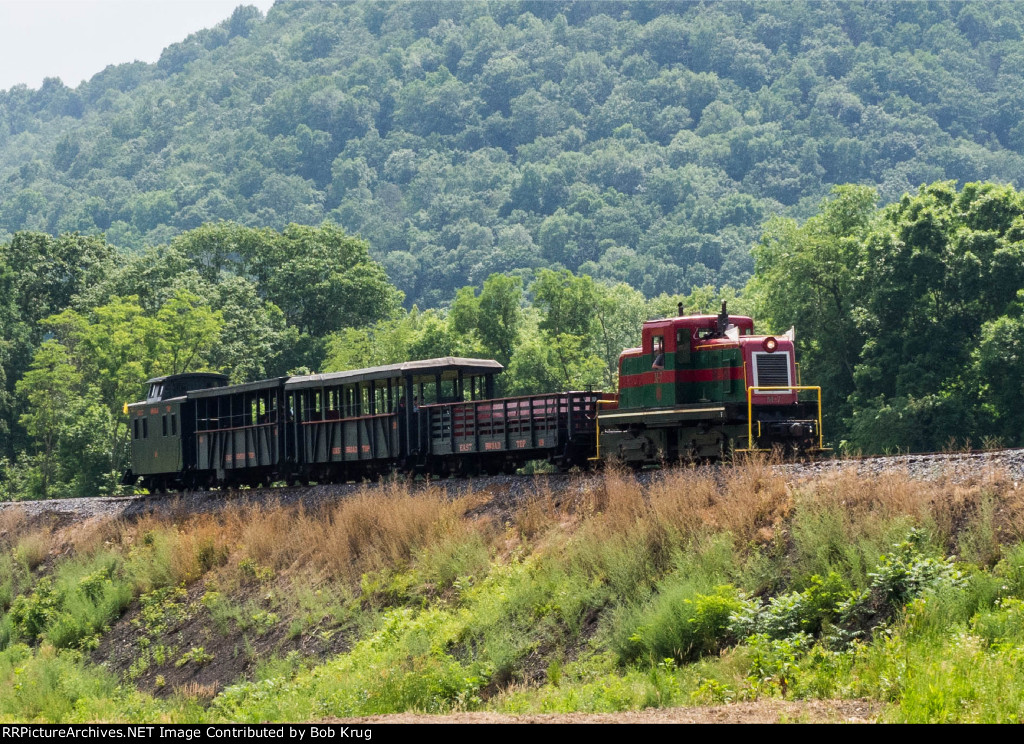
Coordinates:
[425,368]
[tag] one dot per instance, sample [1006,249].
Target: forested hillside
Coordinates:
[643,142]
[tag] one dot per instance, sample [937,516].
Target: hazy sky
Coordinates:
[75,39]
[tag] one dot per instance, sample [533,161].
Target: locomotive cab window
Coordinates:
[658,350]
[682,346]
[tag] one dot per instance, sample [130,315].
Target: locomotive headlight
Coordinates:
[770,344]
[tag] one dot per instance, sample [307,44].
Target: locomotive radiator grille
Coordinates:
[771,370]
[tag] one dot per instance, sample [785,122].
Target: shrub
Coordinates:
[906,572]
[787,615]
[71,607]
[684,625]
[197,655]
[33,613]
[1003,625]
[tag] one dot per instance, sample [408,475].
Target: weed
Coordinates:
[197,655]
[253,571]
[33,549]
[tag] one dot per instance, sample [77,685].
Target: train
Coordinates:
[699,387]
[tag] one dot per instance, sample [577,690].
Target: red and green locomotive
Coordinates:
[701,386]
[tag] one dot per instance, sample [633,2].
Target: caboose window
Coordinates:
[145,428]
[164,422]
[135,427]
[174,424]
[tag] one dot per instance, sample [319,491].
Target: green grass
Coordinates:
[71,607]
[53,685]
[611,604]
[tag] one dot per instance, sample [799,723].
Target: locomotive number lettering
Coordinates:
[492,445]
[520,443]
[366,448]
[336,450]
[466,447]
[350,450]
[540,442]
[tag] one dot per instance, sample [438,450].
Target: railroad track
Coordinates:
[509,489]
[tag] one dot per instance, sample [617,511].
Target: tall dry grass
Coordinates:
[12,526]
[757,505]
[373,529]
[613,516]
[950,504]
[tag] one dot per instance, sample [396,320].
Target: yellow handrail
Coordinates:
[597,427]
[791,388]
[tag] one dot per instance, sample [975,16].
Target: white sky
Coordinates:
[75,39]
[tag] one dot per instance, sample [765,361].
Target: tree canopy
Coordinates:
[911,316]
[637,142]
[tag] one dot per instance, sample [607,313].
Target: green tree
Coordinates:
[324,279]
[403,337]
[189,330]
[810,276]
[253,335]
[620,312]
[490,321]
[544,364]
[51,389]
